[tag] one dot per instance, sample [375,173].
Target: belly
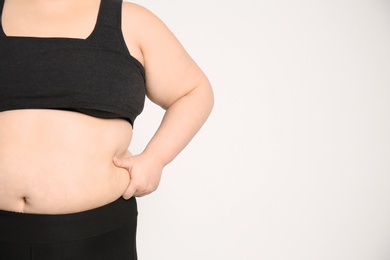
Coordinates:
[55,162]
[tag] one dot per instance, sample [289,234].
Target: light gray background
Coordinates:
[294,161]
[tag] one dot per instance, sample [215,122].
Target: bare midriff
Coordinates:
[57,162]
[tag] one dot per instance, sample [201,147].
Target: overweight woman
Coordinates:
[73,78]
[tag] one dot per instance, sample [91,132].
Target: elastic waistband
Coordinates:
[44,228]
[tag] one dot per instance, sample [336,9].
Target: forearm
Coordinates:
[181,122]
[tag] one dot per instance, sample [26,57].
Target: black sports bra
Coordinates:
[96,76]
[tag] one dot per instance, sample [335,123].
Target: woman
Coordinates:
[73,77]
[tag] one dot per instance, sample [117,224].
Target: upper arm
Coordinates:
[170,72]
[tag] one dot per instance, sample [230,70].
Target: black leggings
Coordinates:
[104,233]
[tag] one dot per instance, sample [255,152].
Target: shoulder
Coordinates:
[146,31]
[134,15]
[141,29]
[130,7]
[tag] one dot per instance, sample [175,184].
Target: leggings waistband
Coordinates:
[44,228]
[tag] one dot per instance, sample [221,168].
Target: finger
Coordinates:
[140,192]
[130,191]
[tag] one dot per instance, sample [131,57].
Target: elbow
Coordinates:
[204,99]
[204,96]
[209,96]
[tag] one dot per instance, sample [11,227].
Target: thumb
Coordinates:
[122,163]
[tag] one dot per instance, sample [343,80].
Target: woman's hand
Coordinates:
[145,174]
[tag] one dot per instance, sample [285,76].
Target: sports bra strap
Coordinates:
[109,19]
[2,34]
[1,6]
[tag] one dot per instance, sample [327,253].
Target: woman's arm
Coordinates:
[177,84]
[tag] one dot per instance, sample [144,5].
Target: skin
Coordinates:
[40,169]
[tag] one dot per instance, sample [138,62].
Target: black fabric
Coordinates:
[96,76]
[104,233]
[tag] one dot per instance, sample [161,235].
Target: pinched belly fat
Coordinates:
[56,162]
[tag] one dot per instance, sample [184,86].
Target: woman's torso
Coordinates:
[55,161]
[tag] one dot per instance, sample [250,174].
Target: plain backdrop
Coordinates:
[294,161]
